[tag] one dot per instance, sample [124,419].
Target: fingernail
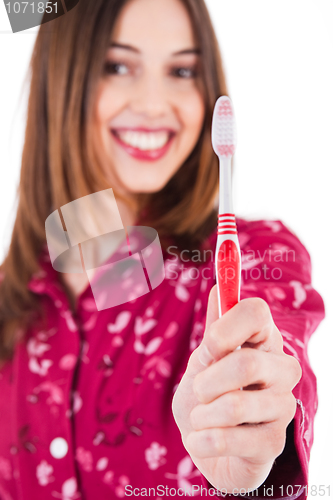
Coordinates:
[205,356]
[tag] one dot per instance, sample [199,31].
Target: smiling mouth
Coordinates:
[145,141]
[142,144]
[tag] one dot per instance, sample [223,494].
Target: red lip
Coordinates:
[152,155]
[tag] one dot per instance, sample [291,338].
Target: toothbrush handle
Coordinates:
[228,263]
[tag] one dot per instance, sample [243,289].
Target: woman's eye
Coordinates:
[112,68]
[185,72]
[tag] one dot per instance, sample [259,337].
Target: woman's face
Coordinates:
[149,109]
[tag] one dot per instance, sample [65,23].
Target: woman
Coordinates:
[111,403]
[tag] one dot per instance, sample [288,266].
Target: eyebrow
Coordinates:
[137,51]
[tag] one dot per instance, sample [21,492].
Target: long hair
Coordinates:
[58,154]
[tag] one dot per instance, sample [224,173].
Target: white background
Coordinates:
[278,58]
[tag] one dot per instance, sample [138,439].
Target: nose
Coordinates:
[150,96]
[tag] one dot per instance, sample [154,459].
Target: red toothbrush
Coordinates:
[228,255]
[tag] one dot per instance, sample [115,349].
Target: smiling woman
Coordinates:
[145,395]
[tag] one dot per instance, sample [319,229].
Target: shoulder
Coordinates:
[277,266]
[273,243]
[270,243]
[268,231]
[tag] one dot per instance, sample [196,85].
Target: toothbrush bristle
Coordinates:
[223,128]
[224,108]
[225,150]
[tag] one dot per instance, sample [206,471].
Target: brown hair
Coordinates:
[67,61]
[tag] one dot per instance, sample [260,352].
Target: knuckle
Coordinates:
[258,308]
[291,408]
[277,438]
[191,444]
[206,442]
[295,369]
[191,363]
[246,364]
[199,387]
[234,408]
[219,441]
[195,418]
[191,358]
[278,337]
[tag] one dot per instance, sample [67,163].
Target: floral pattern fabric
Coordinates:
[85,404]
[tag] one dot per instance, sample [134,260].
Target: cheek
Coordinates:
[101,101]
[108,103]
[193,112]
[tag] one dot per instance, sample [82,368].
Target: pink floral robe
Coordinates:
[85,408]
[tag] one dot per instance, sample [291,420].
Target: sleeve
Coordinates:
[277,267]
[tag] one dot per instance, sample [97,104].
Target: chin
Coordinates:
[145,189]
[146,184]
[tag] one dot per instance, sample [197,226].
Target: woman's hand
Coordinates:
[233,436]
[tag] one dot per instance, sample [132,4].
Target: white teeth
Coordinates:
[143,140]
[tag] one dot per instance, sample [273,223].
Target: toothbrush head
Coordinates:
[224,128]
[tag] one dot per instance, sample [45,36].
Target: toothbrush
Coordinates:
[227,256]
